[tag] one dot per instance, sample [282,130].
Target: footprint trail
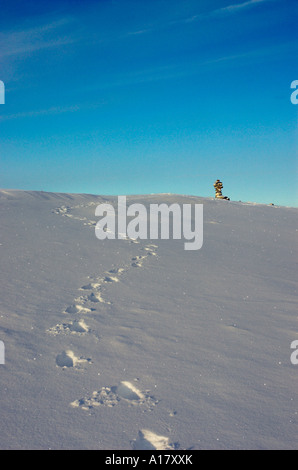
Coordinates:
[94,297]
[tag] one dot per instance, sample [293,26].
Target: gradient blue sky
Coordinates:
[150,96]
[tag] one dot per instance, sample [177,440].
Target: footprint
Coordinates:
[77,309]
[150,247]
[63,210]
[91,285]
[111,279]
[77,326]
[136,264]
[105,397]
[58,329]
[128,391]
[92,223]
[96,297]
[148,440]
[116,271]
[111,396]
[68,359]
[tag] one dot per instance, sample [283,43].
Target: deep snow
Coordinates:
[118,344]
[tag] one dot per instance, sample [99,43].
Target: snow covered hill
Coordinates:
[139,344]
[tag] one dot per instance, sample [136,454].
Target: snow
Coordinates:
[140,344]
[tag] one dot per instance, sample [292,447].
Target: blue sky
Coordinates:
[150,96]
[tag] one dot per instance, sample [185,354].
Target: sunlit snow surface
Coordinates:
[139,344]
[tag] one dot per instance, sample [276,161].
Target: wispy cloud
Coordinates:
[53,110]
[240,6]
[139,32]
[29,40]
[233,8]
[40,112]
